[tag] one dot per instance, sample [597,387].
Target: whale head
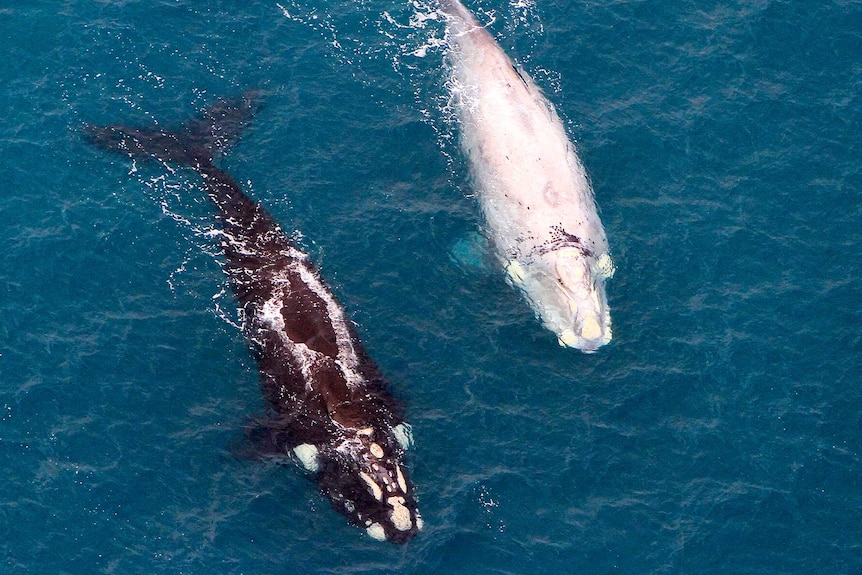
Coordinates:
[566,288]
[364,478]
[581,287]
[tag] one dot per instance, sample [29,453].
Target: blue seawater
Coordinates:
[719,433]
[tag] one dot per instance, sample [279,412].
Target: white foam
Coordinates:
[347,357]
[307,455]
[270,316]
[403,434]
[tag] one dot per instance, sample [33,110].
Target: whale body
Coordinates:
[328,404]
[538,205]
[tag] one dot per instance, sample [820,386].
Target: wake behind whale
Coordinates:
[538,205]
[328,404]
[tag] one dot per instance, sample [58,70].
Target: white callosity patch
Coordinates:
[531,186]
[400,515]
[376,531]
[373,488]
[402,483]
[571,270]
[376,450]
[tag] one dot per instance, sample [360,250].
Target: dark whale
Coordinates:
[328,405]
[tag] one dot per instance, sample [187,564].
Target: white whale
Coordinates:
[538,204]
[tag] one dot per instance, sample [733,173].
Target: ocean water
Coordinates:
[719,433]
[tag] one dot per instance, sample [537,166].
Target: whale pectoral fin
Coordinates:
[307,455]
[472,252]
[515,272]
[606,266]
[242,450]
[404,435]
[255,445]
[264,439]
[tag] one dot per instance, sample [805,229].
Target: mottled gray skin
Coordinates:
[328,405]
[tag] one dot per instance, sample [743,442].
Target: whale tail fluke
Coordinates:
[196,143]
